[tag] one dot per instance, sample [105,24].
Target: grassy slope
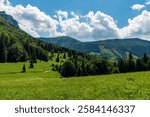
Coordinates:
[42,83]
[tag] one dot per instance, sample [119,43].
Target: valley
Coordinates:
[64,68]
[41,83]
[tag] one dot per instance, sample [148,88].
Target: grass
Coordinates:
[41,83]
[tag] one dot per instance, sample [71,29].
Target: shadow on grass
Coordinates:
[9,72]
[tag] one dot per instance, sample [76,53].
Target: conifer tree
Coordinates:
[83,68]
[68,69]
[57,59]
[3,50]
[33,54]
[31,64]
[139,66]
[79,71]
[121,65]
[64,56]
[145,58]
[130,63]
[28,49]
[24,68]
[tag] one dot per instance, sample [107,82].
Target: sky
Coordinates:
[85,20]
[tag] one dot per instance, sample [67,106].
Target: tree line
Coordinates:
[133,65]
[96,66]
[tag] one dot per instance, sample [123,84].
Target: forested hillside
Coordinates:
[112,49]
[17,46]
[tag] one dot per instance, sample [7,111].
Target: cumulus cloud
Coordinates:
[103,26]
[75,28]
[89,27]
[94,26]
[61,15]
[138,26]
[31,19]
[4,2]
[137,7]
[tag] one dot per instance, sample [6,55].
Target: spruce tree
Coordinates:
[83,68]
[3,50]
[131,64]
[31,64]
[64,56]
[57,59]
[24,68]
[148,64]
[28,48]
[145,58]
[79,71]
[33,54]
[139,66]
[121,65]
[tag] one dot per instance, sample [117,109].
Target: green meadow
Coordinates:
[41,83]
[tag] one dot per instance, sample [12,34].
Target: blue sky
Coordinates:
[85,20]
[120,10]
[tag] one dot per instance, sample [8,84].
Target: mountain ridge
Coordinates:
[110,49]
[9,19]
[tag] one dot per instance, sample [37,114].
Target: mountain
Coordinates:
[18,46]
[110,49]
[9,19]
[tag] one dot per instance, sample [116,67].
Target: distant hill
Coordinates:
[9,19]
[110,49]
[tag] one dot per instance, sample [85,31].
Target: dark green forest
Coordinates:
[97,66]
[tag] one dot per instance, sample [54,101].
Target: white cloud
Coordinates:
[32,20]
[93,26]
[147,2]
[76,16]
[61,15]
[74,28]
[137,7]
[89,27]
[4,2]
[36,22]
[138,27]
[103,26]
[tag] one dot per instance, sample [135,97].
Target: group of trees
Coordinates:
[84,67]
[31,66]
[132,65]
[16,51]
